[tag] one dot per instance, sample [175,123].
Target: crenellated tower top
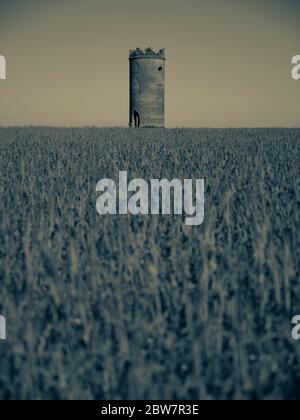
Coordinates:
[147,53]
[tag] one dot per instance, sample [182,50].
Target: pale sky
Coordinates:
[228,61]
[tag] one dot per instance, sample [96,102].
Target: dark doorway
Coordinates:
[137,120]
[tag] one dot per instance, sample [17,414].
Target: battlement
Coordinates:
[147,53]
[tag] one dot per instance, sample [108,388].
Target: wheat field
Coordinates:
[144,307]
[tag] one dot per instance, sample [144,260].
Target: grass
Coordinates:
[124,307]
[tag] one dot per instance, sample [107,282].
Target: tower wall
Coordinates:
[147,87]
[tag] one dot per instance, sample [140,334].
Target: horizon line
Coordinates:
[152,128]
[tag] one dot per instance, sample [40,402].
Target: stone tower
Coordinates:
[147,88]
